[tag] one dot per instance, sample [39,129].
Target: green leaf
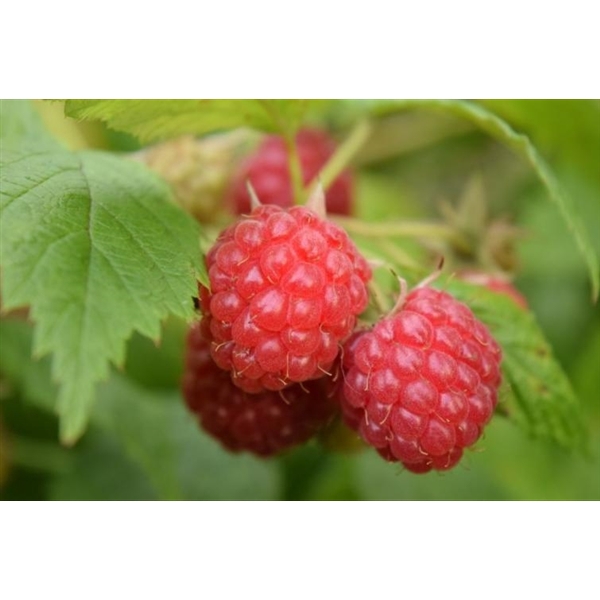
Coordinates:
[101,471]
[33,378]
[504,133]
[158,434]
[148,436]
[569,130]
[93,245]
[151,120]
[542,401]
[20,122]
[470,480]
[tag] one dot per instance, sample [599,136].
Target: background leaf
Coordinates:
[504,133]
[543,401]
[151,120]
[93,244]
[21,123]
[143,441]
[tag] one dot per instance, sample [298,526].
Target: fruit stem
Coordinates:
[409,229]
[343,155]
[295,167]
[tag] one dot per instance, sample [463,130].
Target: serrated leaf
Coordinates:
[148,433]
[93,245]
[543,401]
[504,133]
[151,120]
[569,129]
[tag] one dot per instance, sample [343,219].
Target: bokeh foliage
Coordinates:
[142,444]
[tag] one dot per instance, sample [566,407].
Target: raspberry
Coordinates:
[264,424]
[422,383]
[286,288]
[268,171]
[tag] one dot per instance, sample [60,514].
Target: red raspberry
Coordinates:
[268,171]
[421,384]
[286,288]
[496,283]
[264,424]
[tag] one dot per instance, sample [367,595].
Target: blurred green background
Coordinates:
[143,445]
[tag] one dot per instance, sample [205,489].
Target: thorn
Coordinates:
[316,201]
[254,201]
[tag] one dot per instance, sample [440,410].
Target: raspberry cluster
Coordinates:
[279,318]
[264,424]
[286,287]
[268,170]
[422,383]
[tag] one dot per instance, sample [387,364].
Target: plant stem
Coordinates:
[295,168]
[38,455]
[399,256]
[343,155]
[409,229]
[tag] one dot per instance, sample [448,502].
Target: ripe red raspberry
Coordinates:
[422,383]
[286,288]
[264,424]
[268,171]
[496,283]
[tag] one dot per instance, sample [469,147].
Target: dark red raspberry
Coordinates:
[286,288]
[496,283]
[264,424]
[268,171]
[422,383]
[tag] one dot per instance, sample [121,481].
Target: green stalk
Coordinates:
[408,229]
[343,155]
[295,168]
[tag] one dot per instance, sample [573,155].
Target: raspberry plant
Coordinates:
[104,252]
